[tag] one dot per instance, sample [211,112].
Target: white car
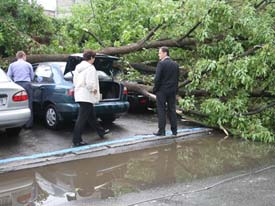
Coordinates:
[14,109]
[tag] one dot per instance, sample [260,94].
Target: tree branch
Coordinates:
[260,4]
[250,51]
[259,110]
[194,27]
[143,68]
[130,48]
[95,37]
[141,88]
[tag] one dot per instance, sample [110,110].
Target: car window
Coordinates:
[44,73]
[3,76]
[57,74]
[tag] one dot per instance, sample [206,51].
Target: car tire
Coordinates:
[51,117]
[13,132]
[108,119]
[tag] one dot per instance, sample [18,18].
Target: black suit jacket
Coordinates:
[167,76]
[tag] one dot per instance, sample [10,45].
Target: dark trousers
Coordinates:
[86,114]
[168,98]
[27,86]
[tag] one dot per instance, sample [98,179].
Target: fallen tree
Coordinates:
[225,50]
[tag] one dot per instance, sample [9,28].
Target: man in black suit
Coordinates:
[166,87]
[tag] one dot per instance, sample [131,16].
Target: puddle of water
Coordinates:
[115,175]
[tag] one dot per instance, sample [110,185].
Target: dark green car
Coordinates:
[53,91]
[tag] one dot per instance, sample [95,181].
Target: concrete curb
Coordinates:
[100,149]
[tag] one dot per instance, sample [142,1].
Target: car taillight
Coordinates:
[143,101]
[20,96]
[70,92]
[125,91]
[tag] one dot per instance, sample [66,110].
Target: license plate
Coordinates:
[3,101]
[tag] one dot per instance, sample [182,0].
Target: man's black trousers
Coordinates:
[166,100]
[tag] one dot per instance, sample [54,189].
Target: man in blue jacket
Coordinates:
[165,88]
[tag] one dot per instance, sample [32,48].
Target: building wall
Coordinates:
[64,6]
[58,8]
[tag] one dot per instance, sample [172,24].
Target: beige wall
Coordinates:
[64,6]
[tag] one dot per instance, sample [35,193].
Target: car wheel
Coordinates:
[108,119]
[51,117]
[13,132]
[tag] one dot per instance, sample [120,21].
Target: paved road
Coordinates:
[40,139]
[239,186]
[253,188]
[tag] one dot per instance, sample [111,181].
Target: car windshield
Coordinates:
[3,76]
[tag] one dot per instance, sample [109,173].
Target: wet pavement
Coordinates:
[202,171]
[40,146]
[206,170]
[39,139]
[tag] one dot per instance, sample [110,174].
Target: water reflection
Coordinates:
[133,171]
[18,189]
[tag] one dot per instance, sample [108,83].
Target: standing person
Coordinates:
[165,88]
[86,93]
[21,72]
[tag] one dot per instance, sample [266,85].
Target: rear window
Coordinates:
[3,76]
[102,63]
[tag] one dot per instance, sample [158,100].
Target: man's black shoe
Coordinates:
[159,133]
[103,132]
[79,144]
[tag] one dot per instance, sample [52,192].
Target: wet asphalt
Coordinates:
[40,139]
[207,171]
[234,189]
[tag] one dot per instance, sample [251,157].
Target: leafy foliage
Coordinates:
[229,77]
[20,23]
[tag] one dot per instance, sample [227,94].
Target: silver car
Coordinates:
[14,110]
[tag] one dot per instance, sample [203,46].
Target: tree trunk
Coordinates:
[142,89]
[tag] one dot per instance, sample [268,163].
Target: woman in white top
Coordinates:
[86,93]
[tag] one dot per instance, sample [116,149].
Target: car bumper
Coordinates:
[14,118]
[70,111]
[111,107]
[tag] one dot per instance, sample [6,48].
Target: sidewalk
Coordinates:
[107,147]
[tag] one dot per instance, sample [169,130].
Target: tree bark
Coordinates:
[186,44]
[142,89]
[143,68]
[131,47]
[47,57]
